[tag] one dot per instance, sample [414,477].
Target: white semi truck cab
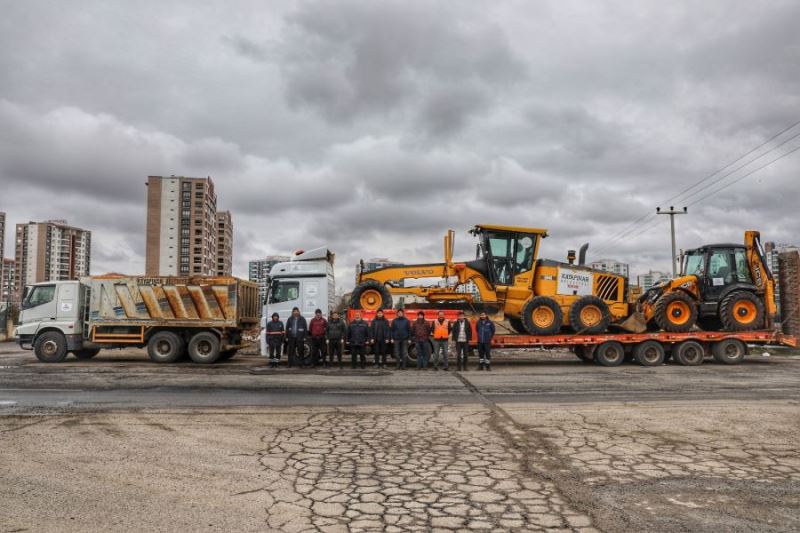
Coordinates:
[305,282]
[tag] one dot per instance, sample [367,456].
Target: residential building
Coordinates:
[50,251]
[612,265]
[7,271]
[224,243]
[181,226]
[2,235]
[653,277]
[259,271]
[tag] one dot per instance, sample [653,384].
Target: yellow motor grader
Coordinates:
[538,297]
[720,287]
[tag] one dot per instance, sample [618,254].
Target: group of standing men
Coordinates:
[329,337]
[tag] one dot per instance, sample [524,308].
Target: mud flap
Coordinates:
[636,323]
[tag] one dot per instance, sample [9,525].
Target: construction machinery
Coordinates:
[720,287]
[537,296]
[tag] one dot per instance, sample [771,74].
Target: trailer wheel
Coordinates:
[165,347]
[371,296]
[584,353]
[204,348]
[87,353]
[675,312]
[741,311]
[542,316]
[50,347]
[729,351]
[649,353]
[589,314]
[610,353]
[688,353]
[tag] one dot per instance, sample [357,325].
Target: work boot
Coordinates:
[488,367]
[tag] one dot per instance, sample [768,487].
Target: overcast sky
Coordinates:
[374,126]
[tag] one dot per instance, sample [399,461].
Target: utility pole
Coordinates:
[672,212]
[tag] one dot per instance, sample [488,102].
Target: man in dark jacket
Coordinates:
[296,330]
[421,332]
[401,332]
[335,337]
[462,334]
[358,336]
[317,328]
[379,337]
[275,333]
[485,330]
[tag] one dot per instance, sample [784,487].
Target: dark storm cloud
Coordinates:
[373,127]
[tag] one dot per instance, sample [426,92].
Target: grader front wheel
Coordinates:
[371,296]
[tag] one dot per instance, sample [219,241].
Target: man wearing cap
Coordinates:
[485,330]
[317,328]
[335,337]
[401,332]
[275,333]
[421,333]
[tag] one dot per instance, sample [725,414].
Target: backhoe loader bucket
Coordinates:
[636,323]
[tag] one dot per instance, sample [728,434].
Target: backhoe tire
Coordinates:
[649,353]
[165,347]
[589,314]
[50,347]
[517,325]
[688,353]
[610,353]
[204,348]
[729,351]
[741,311]
[371,295]
[86,353]
[542,316]
[675,312]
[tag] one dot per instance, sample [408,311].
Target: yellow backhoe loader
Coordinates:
[538,297]
[721,286]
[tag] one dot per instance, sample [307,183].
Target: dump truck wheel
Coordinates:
[518,326]
[371,296]
[688,353]
[589,314]
[709,323]
[542,316]
[649,353]
[675,312]
[729,351]
[204,348]
[165,347]
[86,353]
[741,311]
[610,353]
[50,347]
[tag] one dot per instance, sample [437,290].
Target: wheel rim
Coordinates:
[732,350]
[692,353]
[744,311]
[49,348]
[591,315]
[611,354]
[370,300]
[678,312]
[651,354]
[204,348]
[543,317]
[163,347]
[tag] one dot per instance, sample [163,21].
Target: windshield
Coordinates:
[284,291]
[693,263]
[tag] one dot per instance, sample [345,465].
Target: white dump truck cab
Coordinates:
[305,282]
[54,308]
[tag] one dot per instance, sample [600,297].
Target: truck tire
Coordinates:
[589,314]
[610,353]
[204,348]
[86,353]
[542,316]
[50,347]
[675,312]
[688,353]
[165,347]
[729,351]
[584,353]
[371,295]
[650,353]
[741,311]
[517,325]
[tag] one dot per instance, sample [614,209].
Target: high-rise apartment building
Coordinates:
[2,235]
[7,271]
[611,265]
[50,251]
[653,277]
[182,235]
[259,271]
[224,244]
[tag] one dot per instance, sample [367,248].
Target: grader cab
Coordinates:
[537,296]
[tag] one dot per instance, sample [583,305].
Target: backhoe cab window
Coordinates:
[720,269]
[284,291]
[40,295]
[742,270]
[693,264]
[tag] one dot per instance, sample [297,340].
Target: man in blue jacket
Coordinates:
[485,330]
[358,336]
[401,332]
[296,329]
